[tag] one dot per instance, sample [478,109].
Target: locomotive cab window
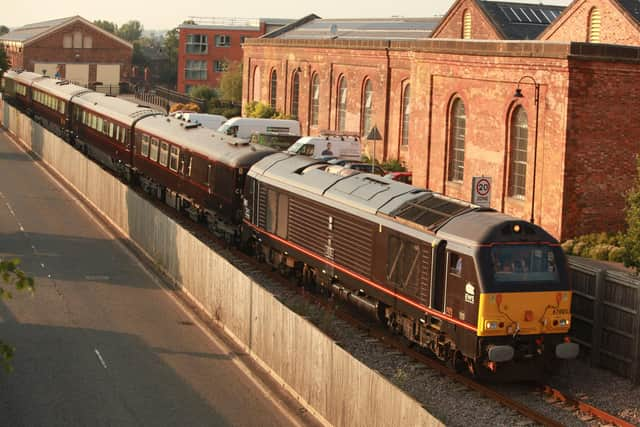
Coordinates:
[144,146]
[524,263]
[164,153]
[455,264]
[173,161]
[402,261]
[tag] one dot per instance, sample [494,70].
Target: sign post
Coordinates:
[481,191]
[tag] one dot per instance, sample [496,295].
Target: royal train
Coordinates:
[479,289]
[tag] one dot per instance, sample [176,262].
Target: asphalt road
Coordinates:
[100,343]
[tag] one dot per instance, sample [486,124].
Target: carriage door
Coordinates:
[438,274]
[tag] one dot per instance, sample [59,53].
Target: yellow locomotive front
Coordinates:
[524,312]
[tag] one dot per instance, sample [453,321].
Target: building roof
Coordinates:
[520,21]
[242,24]
[358,29]
[32,32]
[632,7]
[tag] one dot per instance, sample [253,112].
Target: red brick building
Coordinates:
[563,153]
[72,48]
[208,46]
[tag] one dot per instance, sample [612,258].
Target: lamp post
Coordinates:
[536,100]
[374,135]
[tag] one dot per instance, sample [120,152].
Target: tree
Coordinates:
[4,61]
[138,57]
[130,31]
[263,111]
[169,70]
[12,277]
[3,29]
[107,26]
[203,92]
[230,88]
[631,237]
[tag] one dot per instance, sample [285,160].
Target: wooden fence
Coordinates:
[606,316]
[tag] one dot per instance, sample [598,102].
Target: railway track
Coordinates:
[585,411]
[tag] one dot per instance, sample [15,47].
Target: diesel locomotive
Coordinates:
[480,289]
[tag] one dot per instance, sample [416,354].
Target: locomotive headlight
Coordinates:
[563,323]
[491,325]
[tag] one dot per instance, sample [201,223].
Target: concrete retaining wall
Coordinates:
[331,383]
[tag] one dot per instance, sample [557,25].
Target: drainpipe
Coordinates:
[386,103]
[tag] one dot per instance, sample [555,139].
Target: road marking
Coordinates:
[21,227]
[104,365]
[42,265]
[97,278]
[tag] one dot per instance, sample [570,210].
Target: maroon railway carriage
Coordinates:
[17,89]
[195,169]
[103,126]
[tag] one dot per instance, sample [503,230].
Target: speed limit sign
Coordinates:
[481,191]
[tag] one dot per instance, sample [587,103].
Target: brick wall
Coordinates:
[616,26]
[481,28]
[105,50]
[233,53]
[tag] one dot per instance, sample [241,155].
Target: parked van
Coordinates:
[210,121]
[279,141]
[341,147]
[244,127]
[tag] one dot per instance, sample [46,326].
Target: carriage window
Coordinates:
[111,126]
[123,136]
[144,146]
[105,127]
[99,123]
[94,121]
[164,153]
[153,153]
[402,261]
[190,165]
[173,162]
[84,117]
[283,215]
[61,107]
[524,263]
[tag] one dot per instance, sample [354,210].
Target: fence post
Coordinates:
[598,309]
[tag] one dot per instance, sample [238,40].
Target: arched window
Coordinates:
[295,94]
[256,96]
[466,25]
[518,155]
[273,93]
[406,111]
[594,26]
[315,100]
[367,107]
[342,104]
[458,122]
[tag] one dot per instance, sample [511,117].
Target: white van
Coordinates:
[244,127]
[210,121]
[342,147]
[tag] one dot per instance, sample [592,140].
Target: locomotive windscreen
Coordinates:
[524,263]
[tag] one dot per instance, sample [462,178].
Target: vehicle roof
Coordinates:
[120,109]
[60,88]
[216,146]
[323,138]
[24,77]
[255,119]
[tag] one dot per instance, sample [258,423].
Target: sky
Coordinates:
[167,14]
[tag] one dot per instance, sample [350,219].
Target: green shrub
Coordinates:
[600,252]
[580,249]
[567,246]
[616,254]
[393,165]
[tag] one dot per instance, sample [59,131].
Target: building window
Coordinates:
[77,40]
[406,111]
[257,95]
[223,40]
[594,26]
[197,43]
[456,141]
[315,100]
[242,39]
[220,66]
[196,70]
[342,104]
[273,92]
[367,107]
[67,41]
[295,94]
[87,42]
[466,25]
[518,155]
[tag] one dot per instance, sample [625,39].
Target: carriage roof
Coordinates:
[216,146]
[126,112]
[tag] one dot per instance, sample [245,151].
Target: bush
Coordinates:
[600,252]
[616,254]
[203,92]
[580,249]
[393,165]
[567,246]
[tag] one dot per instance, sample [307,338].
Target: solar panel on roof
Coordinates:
[430,210]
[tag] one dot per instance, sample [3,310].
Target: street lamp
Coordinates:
[374,135]
[536,100]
